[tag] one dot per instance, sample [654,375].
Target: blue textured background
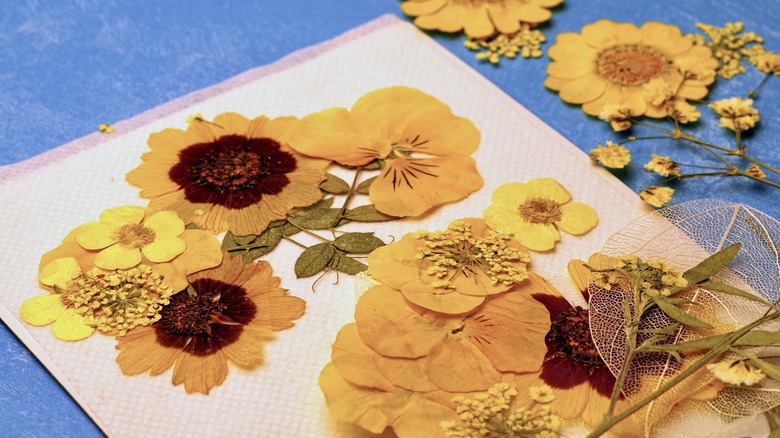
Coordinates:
[66,66]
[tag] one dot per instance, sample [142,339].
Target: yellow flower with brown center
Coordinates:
[478,18]
[534,211]
[736,113]
[656,196]
[424,148]
[451,271]
[232,174]
[611,63]
[237,308]
[662,165]
[612,155]
[124,234]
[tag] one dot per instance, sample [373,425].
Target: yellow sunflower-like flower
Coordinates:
[656,196]
[534,211]
[478,18]
[612,155]
[451,271]
[123,235]
[233,174]
[424,147]
[610,63]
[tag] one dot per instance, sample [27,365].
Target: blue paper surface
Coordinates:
[67,66]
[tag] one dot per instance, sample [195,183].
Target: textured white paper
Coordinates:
[47,196]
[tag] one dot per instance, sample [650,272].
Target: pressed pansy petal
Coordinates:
[458,366]
[352,403]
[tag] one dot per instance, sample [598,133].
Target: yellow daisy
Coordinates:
[534,211]
[123,234]
[479,18]
[610,63]
[233,174]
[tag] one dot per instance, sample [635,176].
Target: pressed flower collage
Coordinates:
[456,332]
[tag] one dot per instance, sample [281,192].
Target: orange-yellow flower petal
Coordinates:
[42,310]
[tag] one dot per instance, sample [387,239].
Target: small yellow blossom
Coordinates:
[105,129]
[684,112]
[755,171]
[736,113]
[656,196]
[541,394]
[612,155]
[527,43]
[728,45]
[663,166]
[736,372]
[658,91]
[619,116]
[768,62]
[655,277]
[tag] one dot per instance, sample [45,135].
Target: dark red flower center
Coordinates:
[233,171]
[205,323]
[570,335]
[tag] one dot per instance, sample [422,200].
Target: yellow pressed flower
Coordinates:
[736,372]
[736,113]
[656,196]
[610,63]
[684,112]
[658,92]
[612,155]
[755,171]
[478,18]
[663,166]
[768,62]
[527,43]
[728,45]
[534,211]
[124,233]
[618,116]
[425,148]
[105,128]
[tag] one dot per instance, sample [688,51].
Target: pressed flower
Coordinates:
[736,372]
[424,147]
[478,18]
[736,113]
[534,211]
[656,196]
[618,116]
[458,353]
[728,45]
[234,174]
[662,165]
[526,43]
[124,233]
[610,63]
[755,171]
[768,62]
[105,128]
[612,155]
[112,302]
[236,309]
[684,112]
[451,271]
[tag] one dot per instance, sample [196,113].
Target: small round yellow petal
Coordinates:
[41,310]
[165,224]
[118,257]
[163,250]
[129,214]
[59,272]
[577,218]
[97,235]
[70,326]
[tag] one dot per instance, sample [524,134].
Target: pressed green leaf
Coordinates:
[775,433]
[322,203]
[677,314]
[265,243]
[358,243]
[322,219]
[277,223]
[346,264]
[770,370]
[192,227]
[244,240]
[229,241]
[314,259]
[726,289]
[753,338]
[375,165]
[289,230]
[367,213]
[334,185]
[712,264]
[362,188]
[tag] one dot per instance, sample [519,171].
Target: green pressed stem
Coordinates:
[350,194]
[290,239]
[315,235]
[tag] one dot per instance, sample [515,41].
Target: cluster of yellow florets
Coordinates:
[736,113]
[118,301]
[491,414]
[617,115]
[527,43]
[662,165]
[728,45]
[457,251]
[654,277]
[612,155]
[736,372]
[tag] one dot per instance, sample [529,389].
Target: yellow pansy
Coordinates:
[534,211]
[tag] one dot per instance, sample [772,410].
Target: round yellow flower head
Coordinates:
[656,196]
[736,113]
[684,112]
[663,166]
[736,372]
[612,155]
[769,63]
[622,64]
[533,212]
[618,116]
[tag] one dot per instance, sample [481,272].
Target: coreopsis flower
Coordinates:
[618,116]
[755,171]
[424,147]
[533,212]
[233,174]
[612,155]
[80,303]
[656,196]
[736,372]
[610,63]
[236,309]
[125,235]
[451,271]
[478,18]
[662,165]
[736,113]
[456,353]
